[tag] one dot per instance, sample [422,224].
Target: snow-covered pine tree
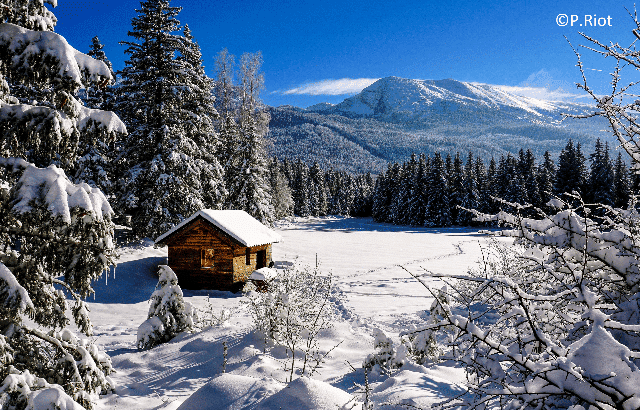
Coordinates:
[167,172]
[438,212]
[168,315]
[379,206]
[418,204]
[300,186]
[99,96]
[200,116]
[41,120]
[55,236]
[96,156]
[56,239]
[281,197]
[528,169]
[363,201]
[406,190]
[484,200]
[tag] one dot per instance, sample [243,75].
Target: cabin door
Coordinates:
[261,260]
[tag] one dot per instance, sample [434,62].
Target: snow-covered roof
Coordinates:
[238,224]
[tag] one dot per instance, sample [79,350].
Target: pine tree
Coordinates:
[99,96]
[546,179]
[281,195]
[96,156]
[418,204]
[167,174]
[470,193]
[407,191]
[41,120]
[56,236]
[301,189]
[457,187]
[318,205]
[571,174]
[438,211]
[621,184]
[601,188]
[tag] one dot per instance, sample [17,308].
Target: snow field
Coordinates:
[373,291]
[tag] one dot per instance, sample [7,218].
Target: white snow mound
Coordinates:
[231,392]
[308,394]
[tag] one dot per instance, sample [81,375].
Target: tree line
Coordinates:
[432,190]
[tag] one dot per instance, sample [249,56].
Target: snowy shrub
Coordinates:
[168,314]
[292,312]
[208,317]
[387,358]
[22,390]
[553,320]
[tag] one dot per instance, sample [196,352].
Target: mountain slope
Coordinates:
[395,117]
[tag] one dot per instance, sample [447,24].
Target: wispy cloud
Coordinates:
[341,86]
[547,85]
[545,94]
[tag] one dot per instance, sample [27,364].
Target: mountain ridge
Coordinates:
[394,117]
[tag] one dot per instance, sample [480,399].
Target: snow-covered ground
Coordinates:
[367,261]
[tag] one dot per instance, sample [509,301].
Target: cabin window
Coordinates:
[248,256]
[206,258]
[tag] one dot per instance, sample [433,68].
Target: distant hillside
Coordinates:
[395,117]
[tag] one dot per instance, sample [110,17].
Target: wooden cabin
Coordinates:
[218,249]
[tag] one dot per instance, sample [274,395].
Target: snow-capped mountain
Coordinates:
[395,117]
[400,98]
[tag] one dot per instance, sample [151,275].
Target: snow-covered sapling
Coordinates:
[169,314]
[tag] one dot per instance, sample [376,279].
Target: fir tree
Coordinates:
[571,174]
[317,191]
[167,174]
[470,195]
[621,184]
[301,189]
[99,96]
[418,204]
[281,196]
[457,187]
[601,179]
[96,156]
[546,179]
[438,211]
[56,236]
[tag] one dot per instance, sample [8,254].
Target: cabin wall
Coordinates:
[242,270]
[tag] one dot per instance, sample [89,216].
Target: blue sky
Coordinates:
[317,51]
